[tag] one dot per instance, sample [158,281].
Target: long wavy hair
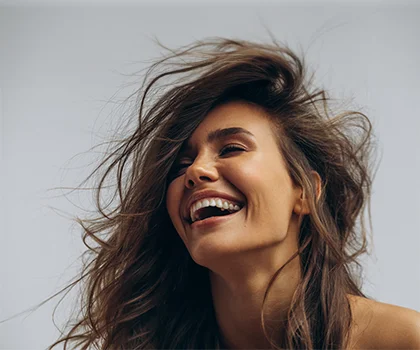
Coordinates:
[140,287]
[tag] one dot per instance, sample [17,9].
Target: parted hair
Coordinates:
[140,289]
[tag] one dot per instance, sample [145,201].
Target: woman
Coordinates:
[239,215]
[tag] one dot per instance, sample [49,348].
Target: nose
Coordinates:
[202,170]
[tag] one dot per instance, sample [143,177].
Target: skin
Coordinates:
[378,325]
[244,252]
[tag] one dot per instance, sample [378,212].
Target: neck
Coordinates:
[238,303]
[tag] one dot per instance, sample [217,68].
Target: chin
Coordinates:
[212,250]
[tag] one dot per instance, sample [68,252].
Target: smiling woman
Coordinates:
[240,215]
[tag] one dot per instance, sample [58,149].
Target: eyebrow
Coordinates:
[219,134]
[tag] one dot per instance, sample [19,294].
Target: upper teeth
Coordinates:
[211,202]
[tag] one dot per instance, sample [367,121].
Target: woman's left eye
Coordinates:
[230,149]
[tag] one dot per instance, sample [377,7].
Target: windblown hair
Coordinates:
[141,288]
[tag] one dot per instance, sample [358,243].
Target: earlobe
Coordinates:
[302,203]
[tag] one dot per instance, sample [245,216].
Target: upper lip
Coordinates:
[206,194]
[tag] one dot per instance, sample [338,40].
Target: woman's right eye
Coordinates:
[178,170]
[182,166]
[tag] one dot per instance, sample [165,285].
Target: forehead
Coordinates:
[233,115]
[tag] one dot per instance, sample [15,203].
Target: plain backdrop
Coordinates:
[65,69]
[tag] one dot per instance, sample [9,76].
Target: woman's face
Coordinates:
[233,153]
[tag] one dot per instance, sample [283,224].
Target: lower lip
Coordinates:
[213,221]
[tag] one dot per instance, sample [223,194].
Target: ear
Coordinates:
[302,205]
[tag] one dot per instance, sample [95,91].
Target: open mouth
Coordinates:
[206,213]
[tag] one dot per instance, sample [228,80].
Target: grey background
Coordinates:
[64,71]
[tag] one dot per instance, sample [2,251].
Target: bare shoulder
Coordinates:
[378,325]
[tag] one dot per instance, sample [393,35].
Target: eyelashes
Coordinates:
[231,148]
[180,168]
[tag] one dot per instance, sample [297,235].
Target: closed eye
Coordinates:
[180,168]
[230,149]
[177,170]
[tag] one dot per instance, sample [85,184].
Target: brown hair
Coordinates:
[142,289]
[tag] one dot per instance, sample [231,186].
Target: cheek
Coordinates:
[252,176]
[173,200]
[267,186]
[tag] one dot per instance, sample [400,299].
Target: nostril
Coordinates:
[204,178]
